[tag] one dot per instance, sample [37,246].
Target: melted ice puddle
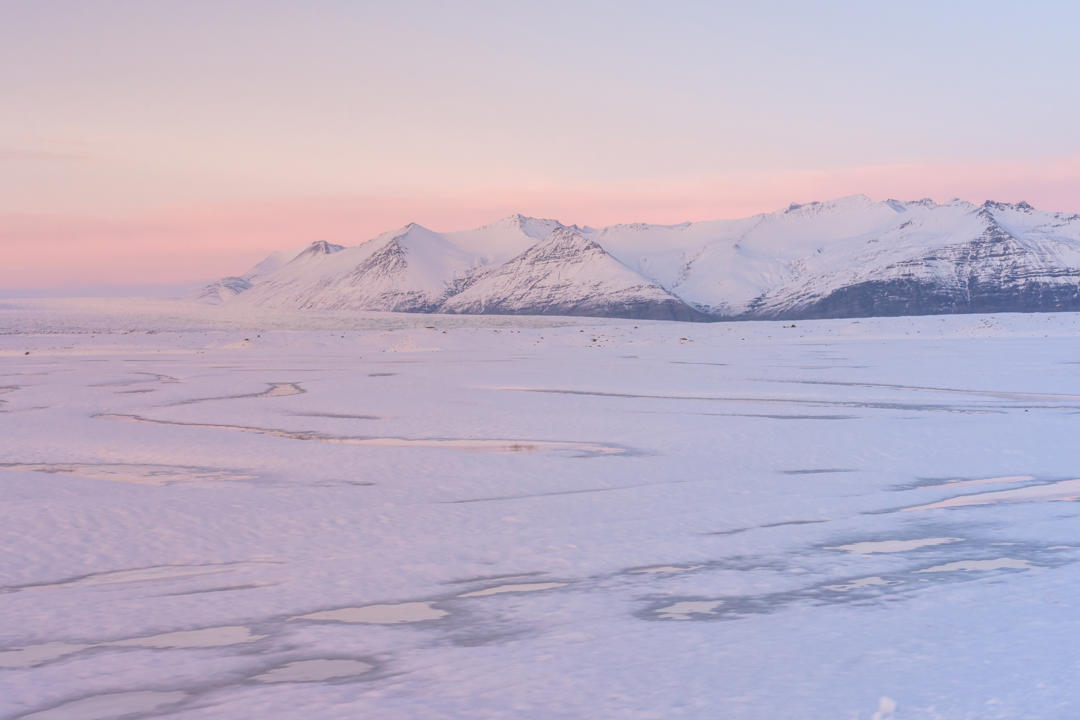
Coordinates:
[386,614]
[976,565]
[518,588]
[665,569]
[862,583]
[315,671]
[687,609]
[1058,491]
[111,705]
[892,546]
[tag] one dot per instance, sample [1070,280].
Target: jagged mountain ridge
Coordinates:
[850,257]
[567,273]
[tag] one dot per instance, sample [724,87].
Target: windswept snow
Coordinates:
[237,511]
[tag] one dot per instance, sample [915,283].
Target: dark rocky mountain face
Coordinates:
[993,272]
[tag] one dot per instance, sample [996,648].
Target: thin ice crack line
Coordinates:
[997,394]
[560,492]
[766,400]
[271,388]
[477,444]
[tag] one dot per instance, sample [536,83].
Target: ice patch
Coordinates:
[111,705]
[982,481]
[1058,491]
[865,582]
[282,390]
[315,671]
[384,614]
[204,638]
[892,546]
[665,569]
[37,654]
[979,565]
[687,609]
[518,588]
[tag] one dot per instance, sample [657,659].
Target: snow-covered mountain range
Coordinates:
[849,257]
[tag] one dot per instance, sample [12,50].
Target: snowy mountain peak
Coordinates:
[905,205]
[224,289]
[565,240]
[501,240]
[1022,206]
[403,232]
[515,220]
[843,204]
[319,247]
[840,258]
[537,228]
[567,274]
[416,235]
[958,203]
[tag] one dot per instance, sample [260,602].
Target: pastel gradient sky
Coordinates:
[176,140]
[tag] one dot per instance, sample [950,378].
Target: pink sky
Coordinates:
[175,141]
[205,241]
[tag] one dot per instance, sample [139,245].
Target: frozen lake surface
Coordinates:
[406,516]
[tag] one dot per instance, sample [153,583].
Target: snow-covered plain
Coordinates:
[208,515]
